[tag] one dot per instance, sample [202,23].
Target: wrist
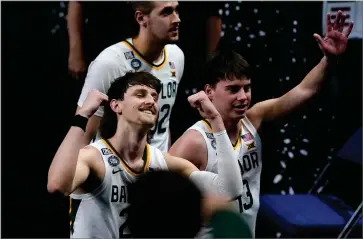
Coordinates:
[75,47]
[83,114]
[80,121]
[217,124]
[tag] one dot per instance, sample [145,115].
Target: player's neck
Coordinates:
[232,128]
[149,48]
[129,142]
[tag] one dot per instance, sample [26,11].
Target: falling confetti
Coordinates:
[303,152]
[290,154]
[287,141]
[277,178]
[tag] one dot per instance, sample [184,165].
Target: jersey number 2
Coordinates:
[165,109]
[123,225]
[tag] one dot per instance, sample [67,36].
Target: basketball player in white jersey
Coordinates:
[228,86]
[152,50]
[96,177]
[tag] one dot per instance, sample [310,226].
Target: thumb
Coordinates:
[318,39]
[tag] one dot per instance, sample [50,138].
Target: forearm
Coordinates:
[228,169]
[74,25]
[213,33]
[228,182]
[316,77]
[62,170]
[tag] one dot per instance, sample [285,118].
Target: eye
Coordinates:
[140,94]
[167,11]
[234,89]
[247,88]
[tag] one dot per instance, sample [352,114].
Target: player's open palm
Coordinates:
[335,41]
[202,103]
[92,103]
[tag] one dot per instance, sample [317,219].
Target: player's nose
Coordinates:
[242,95]
[176,18]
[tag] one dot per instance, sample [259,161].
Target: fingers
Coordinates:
[329,26]
[349,29]
[337,20]
[342,22]
[195,100]
[99,95]
[318,39]
[103,97]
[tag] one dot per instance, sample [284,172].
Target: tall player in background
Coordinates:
[97,176]
[152,50]
[228,86]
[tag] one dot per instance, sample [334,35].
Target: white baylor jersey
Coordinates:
[248,150]
[120,58]
[102,213]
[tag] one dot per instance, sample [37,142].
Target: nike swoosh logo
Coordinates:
[114,171]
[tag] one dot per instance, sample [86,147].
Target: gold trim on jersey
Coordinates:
[238,141]
[73,209]
[145,157]
[156,67]
[70,211]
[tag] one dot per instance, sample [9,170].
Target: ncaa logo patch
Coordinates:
[106,151]
[136,64]
[129,55]
[212,139]
[113,161]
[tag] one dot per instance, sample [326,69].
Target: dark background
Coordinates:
[39,99]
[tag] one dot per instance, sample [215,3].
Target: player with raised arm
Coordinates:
[228,86]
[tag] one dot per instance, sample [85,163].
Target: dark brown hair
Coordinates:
[224,65]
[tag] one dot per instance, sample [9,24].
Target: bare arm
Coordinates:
[275,108]
[76,62]
[74,25]
[333,45]
[69,168]
[191,146]
[213,33]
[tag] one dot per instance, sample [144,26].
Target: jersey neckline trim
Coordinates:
[238,141]
[139,54]
[145,158]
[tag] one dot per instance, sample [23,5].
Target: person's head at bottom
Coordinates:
[164,204]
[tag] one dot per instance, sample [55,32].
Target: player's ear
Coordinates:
[141,18]
[209,91]
[116,106]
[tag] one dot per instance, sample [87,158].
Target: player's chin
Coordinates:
[238,115]
[173,38]
[149,120]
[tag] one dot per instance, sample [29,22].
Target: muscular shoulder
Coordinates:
[191,146]
[91,157]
